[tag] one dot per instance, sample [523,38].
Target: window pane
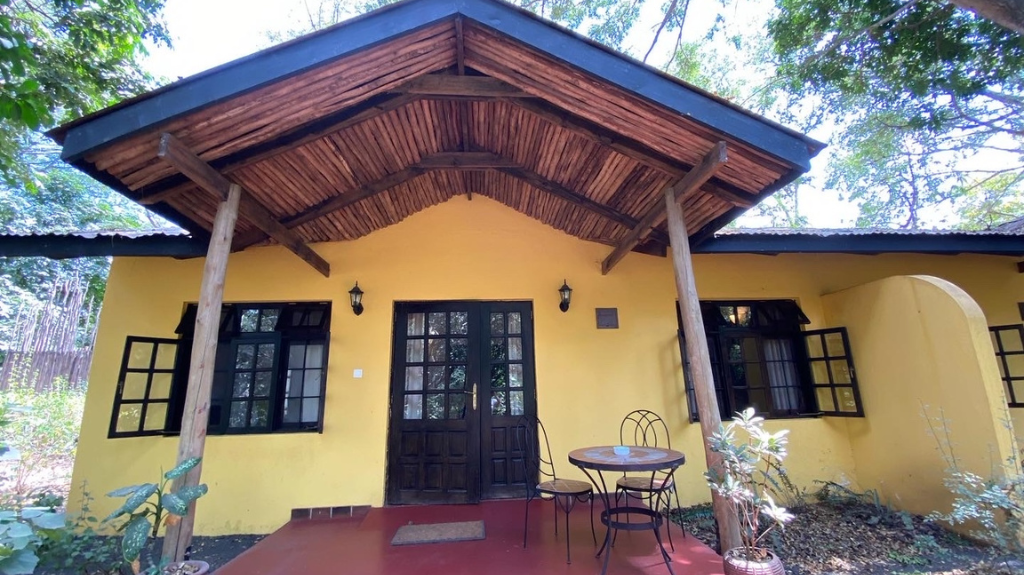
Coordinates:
[825,401]
[456,406]
[435,377]
[296,355]
[1016,364]
[160,387]
[292,408]
[238,414]
[458,349]
[243,381]
[457,377]
[1011,340]
[515,323]
[499,376]
[311,383]
[414,378]
[165,356]
[414,351]
[128,418]
[293,385]
[314,318]
[140,355]
[814,346]
[415,324]
[834,344]
[516,402]
[134,386]
[268,320]
[498,403]
[413,407]
[1018,390]
[260,416]
[515,375]
[515,348]
[497,324]
[435,406]
[840,371]
[435,323]
[819,372]
[497,348]
[245,356]
[459,322]
[846,401]
[310,410]
[315,355]
[156,417]
[436,350]
[263,380]
[265,355]
[250,320]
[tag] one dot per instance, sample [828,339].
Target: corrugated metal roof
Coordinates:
[91,234]
[1003,230]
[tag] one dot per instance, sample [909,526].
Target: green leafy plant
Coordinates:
[748,466]
[21,535]
[148,505]
[80,548]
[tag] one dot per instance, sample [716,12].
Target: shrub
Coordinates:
[80,548]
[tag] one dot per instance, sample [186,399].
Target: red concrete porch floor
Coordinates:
[363,546]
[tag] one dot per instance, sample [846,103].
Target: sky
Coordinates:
[207,33]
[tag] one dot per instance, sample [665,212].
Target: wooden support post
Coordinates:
[700,361]
[200,378]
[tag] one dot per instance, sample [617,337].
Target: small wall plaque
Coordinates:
[607,318]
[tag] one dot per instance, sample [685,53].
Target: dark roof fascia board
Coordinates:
[294,57]
[723,220]
[58,246]
[867,244]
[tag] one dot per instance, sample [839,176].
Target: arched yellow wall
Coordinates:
[587,379]
[924,365]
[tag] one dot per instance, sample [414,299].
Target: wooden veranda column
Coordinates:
[200,379]
[700,361]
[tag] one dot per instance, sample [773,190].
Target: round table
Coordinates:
[653,459]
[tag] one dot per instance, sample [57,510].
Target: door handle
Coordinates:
[473,393]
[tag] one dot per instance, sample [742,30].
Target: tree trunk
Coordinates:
[1007,13]
[700,363]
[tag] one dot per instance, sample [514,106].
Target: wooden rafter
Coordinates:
[693,180]
[470,161]
[473,86]
[301,135]
[632,149]
[464,106]
[188,163]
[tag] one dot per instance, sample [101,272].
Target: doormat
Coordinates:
[439,533]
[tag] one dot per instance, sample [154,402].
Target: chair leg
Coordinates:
[592,532]
[668,517]
[554,500]
[526,522]
[678,506]
[567,507]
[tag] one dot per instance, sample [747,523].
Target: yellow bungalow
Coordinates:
[460,161]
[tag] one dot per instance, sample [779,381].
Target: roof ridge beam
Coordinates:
[174,152]
[450,85]
[693,180]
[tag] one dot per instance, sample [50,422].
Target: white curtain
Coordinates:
[782,375]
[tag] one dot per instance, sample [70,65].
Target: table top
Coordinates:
[604,458]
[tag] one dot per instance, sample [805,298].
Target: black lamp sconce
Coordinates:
[355,296]
[565,295]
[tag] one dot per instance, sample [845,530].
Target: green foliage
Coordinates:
[994,503]
[745,477]
[148,505]
[60,59]
[992,201]
[21,535]
[866,506]
[80,549]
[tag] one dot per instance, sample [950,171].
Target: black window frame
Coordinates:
[146,401]
[1007,376]
[305,323]
[778,319]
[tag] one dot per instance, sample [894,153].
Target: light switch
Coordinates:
[357,373]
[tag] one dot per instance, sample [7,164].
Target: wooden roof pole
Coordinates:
[700,362]
[200,376]
[693,179]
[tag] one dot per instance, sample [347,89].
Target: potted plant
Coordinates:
[149,505]
[749,462]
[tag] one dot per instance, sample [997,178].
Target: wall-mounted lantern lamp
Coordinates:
[355,295]
[565,293]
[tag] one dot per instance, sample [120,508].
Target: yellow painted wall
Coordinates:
[923,353]
[587,379]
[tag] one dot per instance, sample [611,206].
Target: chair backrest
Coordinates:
[644,428]
[532,439]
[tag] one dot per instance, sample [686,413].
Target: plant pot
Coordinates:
[187,568]
[735,563]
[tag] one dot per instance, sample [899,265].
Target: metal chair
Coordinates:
[532,439]
[645,428]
